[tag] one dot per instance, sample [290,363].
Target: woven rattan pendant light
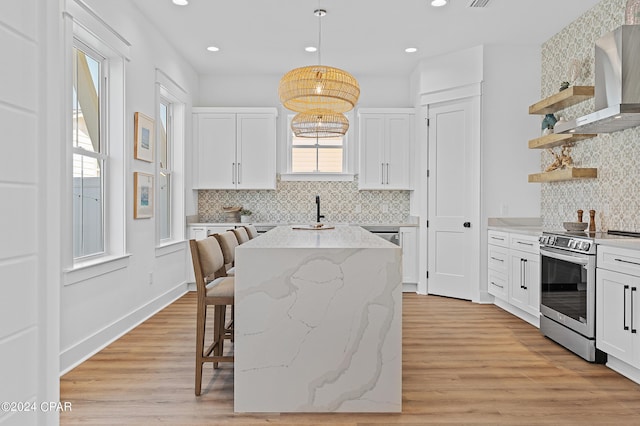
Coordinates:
[319,123]
[319,86]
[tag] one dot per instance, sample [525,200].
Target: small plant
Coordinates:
[245,212]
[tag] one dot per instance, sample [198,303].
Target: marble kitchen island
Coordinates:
[318,322]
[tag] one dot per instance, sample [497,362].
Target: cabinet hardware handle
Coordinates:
[525,244]
[524,275]
[233,173]
[239,172]
[387,173]
[496,259]
[496,238]
[624,307]
[382,173]
[497,285]
[633,330]
[467,224]
[627,261]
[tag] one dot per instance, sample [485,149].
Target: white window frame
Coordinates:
[83,25]
[348,157]
[168,90]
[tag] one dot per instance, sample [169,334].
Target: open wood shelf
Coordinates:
[557,139]
[571,96]
[564,174]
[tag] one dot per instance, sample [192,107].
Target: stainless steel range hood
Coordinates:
[617,85]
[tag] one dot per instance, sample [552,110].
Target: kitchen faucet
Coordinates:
[318,215]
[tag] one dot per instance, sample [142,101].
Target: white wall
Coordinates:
[97,310]
[29,274]
[511,84]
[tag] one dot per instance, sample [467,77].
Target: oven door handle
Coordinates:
[567,258]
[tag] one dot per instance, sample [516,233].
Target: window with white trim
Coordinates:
[318,158]
[94,206]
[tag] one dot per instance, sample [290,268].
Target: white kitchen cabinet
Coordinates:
[234,148]
[524,281]
[618,304]
[409,244]
[513,268]
[385,139]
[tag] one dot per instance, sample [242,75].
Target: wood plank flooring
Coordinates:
[463,363]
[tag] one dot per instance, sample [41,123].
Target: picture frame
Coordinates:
[144,137]
[142,195]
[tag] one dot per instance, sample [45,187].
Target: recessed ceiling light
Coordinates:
[438,3]
[411,49]
[311,49]
[213,48]
[181,2]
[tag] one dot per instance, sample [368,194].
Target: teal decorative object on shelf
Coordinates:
[549,121]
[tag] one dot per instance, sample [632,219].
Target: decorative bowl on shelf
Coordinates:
[575,226]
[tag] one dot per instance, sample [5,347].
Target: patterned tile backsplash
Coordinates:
[294,202]
[615,194]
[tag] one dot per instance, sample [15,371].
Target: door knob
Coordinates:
[467,224]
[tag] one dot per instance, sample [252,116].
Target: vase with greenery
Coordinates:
[245,215]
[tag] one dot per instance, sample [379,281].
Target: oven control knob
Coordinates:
[586,246]
[552,240]
[572,244]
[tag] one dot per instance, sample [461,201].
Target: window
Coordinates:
[164,175]
[318,159]
[88,146]
[323,155]
[171,128]
[94,205]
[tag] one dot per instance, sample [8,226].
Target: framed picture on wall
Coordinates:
[143,138]
[143,195]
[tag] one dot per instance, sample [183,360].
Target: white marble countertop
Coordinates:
[520,225]
[623,242]
[343,236]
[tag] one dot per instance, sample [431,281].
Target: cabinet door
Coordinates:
[613,316]
[256,151]
[215,151]
[371,137]
[409,243]
[532,283]
[398,131]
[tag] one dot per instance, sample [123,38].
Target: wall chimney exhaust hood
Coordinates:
[617,85]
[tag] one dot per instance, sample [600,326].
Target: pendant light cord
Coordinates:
[319,34]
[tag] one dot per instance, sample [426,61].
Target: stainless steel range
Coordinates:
[568,290]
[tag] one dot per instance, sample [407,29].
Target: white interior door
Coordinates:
[453,194]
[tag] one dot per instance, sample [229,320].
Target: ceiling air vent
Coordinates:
[478,3]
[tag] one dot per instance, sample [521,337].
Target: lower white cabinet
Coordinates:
[513,272]
[618,304]
[409,244]
[524,281]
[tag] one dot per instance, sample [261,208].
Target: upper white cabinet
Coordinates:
[234,148]
[385,139]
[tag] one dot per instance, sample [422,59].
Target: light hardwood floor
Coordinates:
[463,363]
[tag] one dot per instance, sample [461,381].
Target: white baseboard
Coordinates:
[85,349]
[623,368]
[531,319]
[409,287]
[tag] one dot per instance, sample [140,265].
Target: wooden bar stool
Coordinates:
[213,290]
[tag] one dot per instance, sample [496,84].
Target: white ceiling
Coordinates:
[364,37]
